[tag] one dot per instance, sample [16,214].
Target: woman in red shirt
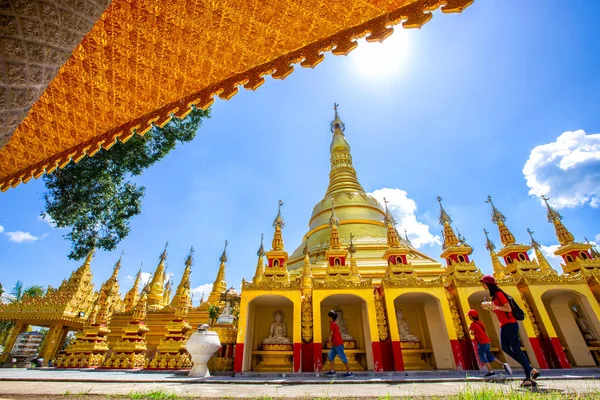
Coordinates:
[509,329]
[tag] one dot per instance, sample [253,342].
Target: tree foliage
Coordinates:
[96,198]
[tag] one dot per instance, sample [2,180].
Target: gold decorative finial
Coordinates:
[488,243]
[562,233]
[497,216]
[389,218]
[261,249]
[224,255]
[337,122]
[534,242]
[163,256]
[552,213]
[461,238]
[351,247]
[279,219]
[333,220]
[444,217]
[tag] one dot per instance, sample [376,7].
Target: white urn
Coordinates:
[201,345]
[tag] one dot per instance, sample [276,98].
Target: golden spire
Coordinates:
[593,249]
[450,238]
[541,259]
[278,224]
[506,237]
[392,234]
[342,176]
[260,264]
[156,287]
[116,268]
[562,233]
[307,279]
[168,290]
[352,250]
[139,313]
[334,235]
[183,289]
[219,285]
[132,297]
[496,264]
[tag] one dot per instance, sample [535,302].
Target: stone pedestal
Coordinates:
[416,358]
[201,346]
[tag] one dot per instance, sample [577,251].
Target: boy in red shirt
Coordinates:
[336,346]
[477,329]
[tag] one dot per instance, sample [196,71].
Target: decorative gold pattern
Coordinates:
[409,280]
[458,326]
[114,83]
[307,319]
[271,284]
[530,315]
[341,282]
[382,326]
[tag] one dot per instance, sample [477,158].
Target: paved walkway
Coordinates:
[58,382]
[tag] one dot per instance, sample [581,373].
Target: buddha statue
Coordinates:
[226,316]
[278,331]
[585,329]
[405,333]
[341,322]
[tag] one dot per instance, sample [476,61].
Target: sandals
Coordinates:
[532,383]
[535,374]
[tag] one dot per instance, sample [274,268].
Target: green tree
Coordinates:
[96,198]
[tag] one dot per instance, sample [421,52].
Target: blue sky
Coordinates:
[455,109]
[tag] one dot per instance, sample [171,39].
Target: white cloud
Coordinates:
[47,219]
[404,209]
[597,238]
[145,278]
[1,229]
[566,170]
[22,237]
[202,289]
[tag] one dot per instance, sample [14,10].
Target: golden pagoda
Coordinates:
[130,351]
[91,344]
[171,351]
[398,308]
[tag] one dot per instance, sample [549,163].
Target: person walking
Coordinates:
[336,346]
[484,350]
[509,328]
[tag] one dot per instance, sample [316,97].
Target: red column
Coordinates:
[297,356]
[479,363]
[318,357]
[307,358]
[560,353]
[458,356]
[539,354]
[377,361]
[238,361]
[398,361]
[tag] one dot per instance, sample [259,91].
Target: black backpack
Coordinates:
[517,312]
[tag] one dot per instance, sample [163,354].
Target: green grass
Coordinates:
[153,395]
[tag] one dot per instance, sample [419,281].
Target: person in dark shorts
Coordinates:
[484,350]
[336,346]
[509,329]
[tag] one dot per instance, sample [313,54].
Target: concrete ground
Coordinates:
[50,383]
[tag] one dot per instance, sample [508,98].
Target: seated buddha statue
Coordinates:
[405,333]
[277,331]
[341,322]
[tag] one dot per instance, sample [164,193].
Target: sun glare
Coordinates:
[381,59]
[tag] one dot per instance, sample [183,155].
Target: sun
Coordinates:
[381,59]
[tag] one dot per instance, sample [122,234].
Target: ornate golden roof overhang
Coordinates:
[146,61]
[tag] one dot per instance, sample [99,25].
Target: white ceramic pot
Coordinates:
[201,346]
